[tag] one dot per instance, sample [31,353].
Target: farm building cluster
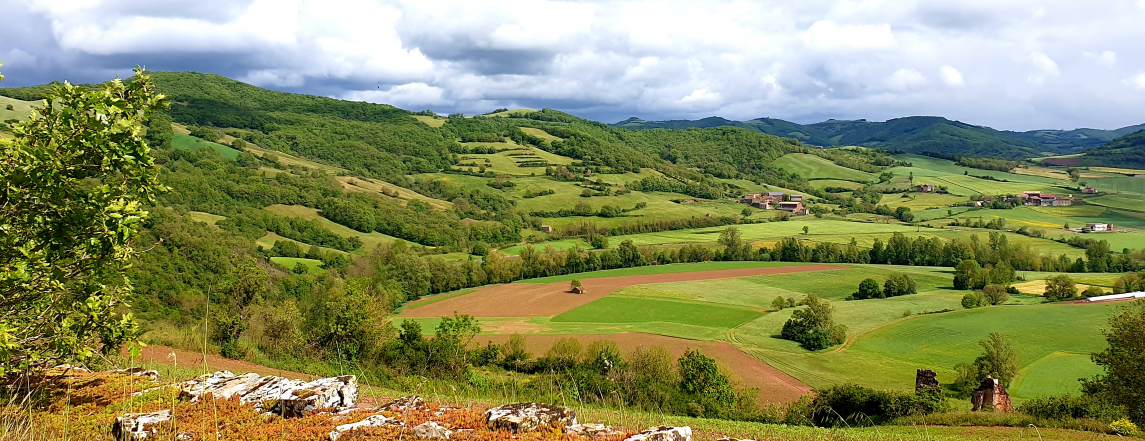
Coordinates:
[776,200]
[1029,198]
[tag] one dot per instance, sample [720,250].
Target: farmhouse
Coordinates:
[750,198]
[547,228]
[1038,199]
[793,207]
[927,188]
[796,198]
[1100,227]
[1089,190]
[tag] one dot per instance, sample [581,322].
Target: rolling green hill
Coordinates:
[915,134]
[1125,152]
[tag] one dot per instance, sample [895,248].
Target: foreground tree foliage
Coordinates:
[73,184]
[1123,382]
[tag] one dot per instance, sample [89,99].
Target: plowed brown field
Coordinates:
[550,299]
[774,385]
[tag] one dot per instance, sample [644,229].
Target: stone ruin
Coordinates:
[926,379]
[991,396]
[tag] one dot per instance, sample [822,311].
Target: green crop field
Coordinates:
[540,134]
[824,183]
[921,201]
[661,269]
[621,309]
[814,167]
[430,121]
[188,142]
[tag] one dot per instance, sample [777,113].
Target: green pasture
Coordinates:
[925,166]
[621,309]
[768,230]
[759,291]
[21,110]
[369,240]
[540,134]
[315,266]
[917,201]
[824,183]
[661,269]
[506,161]
[814,167]
[267,242]
[208,218]
[430,120]
[188,142]
[1124,201]
[1054,374]
[1118,184]
[556,244]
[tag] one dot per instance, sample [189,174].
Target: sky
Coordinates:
[1013,65]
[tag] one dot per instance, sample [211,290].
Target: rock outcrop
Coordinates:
[527,417]
[403,404]
[663,433]
[592,431]
[431,430]
[370,421]
[139,426]
[991,396]
[276,395]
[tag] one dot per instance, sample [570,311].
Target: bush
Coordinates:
[1060,288]
[868,289]
[1069,406]
[813,327]
[899,285]
[973,300]
[850,405]
[1093,291]
[995,294]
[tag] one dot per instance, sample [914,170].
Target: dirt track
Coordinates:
[774,385]
[154,355]
[550,299]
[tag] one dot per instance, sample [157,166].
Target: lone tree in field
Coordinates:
[1123,382]
[814,327]
[73,184]
[868,289]
[1060,287]
[999,359]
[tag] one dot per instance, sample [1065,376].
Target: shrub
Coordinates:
[1059,288]
[973,300]
[995,294]
[899,285]
[850,404]
[1125,427]
[1093,291]
[1069,406]
[868,289]
[813,327]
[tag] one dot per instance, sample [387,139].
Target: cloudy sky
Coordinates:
[1015,65]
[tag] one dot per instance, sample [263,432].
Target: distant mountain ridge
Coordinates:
[1125,152]
[914,134]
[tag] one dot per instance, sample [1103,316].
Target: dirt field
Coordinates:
[774,385]
[550,299]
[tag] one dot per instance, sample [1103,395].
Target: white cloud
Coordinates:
[657,59]
[1105,58]
[905,79]
[951,76]
[1136,81]
[412,94]
[825,34]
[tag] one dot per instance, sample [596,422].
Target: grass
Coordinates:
[759,291]
[207,218]
[557,244]
[20,109]
[314,266]
[540,134]
[921,201]
[187,142]
[814,167]
[430,120]
[369,240]
[660,269]
[1054,374]
[824,183]
[620,309]
[267,242]
[770,230]
[502,163]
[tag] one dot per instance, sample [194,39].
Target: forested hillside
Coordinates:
[1126,152]
[915,134]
